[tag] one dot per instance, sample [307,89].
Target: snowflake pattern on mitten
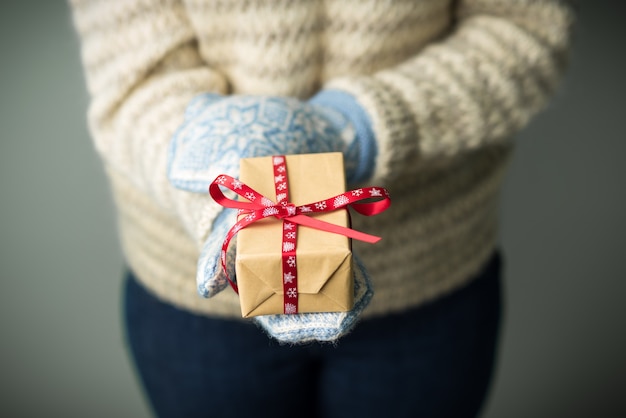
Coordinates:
[217,133]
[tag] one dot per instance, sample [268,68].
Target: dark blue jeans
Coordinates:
[433,361]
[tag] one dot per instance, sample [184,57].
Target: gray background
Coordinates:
[564,235]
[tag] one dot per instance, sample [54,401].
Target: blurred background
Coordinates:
[564,236]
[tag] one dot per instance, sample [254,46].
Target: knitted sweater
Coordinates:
[445,83]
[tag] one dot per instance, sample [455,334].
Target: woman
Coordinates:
[421,96]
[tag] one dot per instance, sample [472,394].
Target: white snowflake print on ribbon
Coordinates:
[292,292]
[250,217]
[288,277]
[281,196]
[290,308]
[266,202]
[279,178]
[250,196]
[281,186]
[221,180]
[237,184]
[340,201]
[291,210]
[289,226]
[288,246]
[290,235]
[320,205]
[270,211]
[291,261]
[306,209]
[281,169]
[357,192]
[376,192]
[279,160]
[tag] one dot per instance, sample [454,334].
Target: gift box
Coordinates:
[323,259]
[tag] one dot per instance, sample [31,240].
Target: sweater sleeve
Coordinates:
[142,68]
[476,86]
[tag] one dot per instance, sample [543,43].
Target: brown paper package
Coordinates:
[324,260]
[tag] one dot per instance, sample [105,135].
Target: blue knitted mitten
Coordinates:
[346,116]
[220,130]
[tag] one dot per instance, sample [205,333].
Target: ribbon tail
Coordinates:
[335,229]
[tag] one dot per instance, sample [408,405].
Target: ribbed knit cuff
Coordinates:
[347,105]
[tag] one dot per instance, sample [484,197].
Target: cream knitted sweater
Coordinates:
[446,83]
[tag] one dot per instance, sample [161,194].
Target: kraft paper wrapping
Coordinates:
[324,260]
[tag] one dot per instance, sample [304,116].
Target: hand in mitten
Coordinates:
[352,123]
[219,131]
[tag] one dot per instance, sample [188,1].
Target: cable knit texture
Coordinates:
[445,85]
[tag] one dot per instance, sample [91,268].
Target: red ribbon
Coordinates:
[259,207]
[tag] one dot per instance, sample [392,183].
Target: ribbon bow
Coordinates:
[258,207]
